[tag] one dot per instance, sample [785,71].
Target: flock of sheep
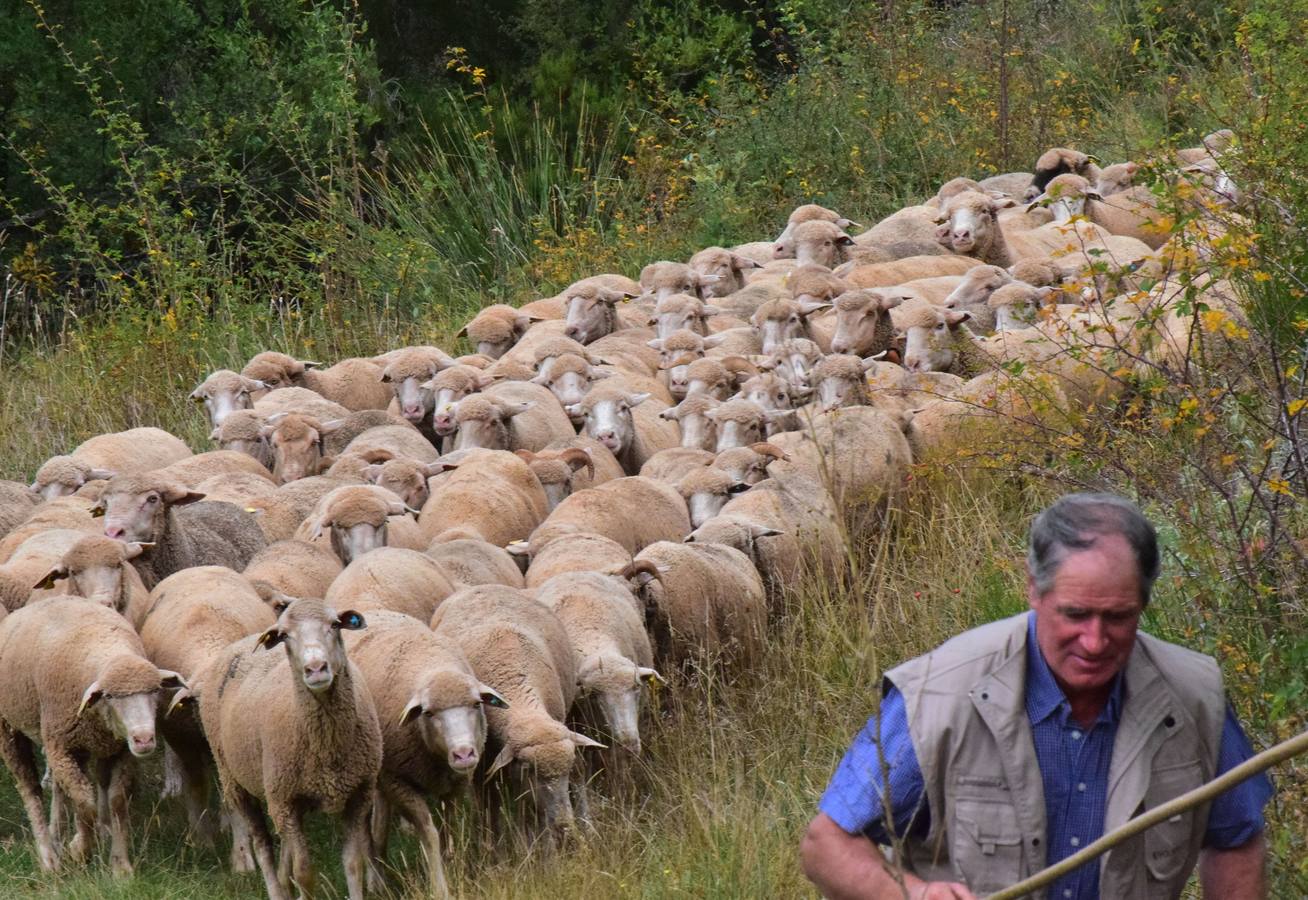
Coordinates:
[398,571]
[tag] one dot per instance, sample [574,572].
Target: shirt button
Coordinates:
[1081,786]
[1076,842]
[1076,735]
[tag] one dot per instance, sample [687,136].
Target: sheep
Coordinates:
[492,496]
[912,224]
[952,187]
[63,512]
[858,453]
[717,378]
[296,442]
[353,383]
[760,252]
[677,311]
[673,464]
[663,279]
[97,568]
[900,271]
[991,407]
[569,378]
[495,329]
[447,388]
[215,464]
[407,372]
[13,593]
[1058,161]
[698,431]
[282,512]
[394,578]
[520,649]
[181,532]
[676,352]
[628,350]
[100,458]
[405,478]
[605,465]
[628,424]
[556,307]
[970,225]
[748,465]
[720,271]
[17,501]
[241,431]
[32,561]
[298,731]
[784,246]
[1014,305]
[1116,178]
[774,394]
[606,627]
[975,287]
[294,568]
[224,392]
[706,490]
[469,562]
[430,708]
[554,470]
[357,520]
[741,422]
[1009,184]
[841,380]
[401,441]
[937,340]
[1069,196]
[779,321]
[1038,271]
[863,320]
[608,510]
[75,679]
[793,360]
[744,302]
[707,600]
[592,312]
[192,616]
[301,401]
[581,552]
[815,242]
[513,415]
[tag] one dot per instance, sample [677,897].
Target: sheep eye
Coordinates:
[153,498]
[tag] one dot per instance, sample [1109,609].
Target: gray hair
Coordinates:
[1075,521]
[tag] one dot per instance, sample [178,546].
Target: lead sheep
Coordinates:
[74,679]
[296,730]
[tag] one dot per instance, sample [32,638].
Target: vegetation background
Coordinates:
[185,182]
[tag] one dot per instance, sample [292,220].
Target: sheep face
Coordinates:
[769,390]
[733,532]
[747,465]
[544,760]
[135,509]
[570,378]
[240,433]
[969,220]
[405,479]
[665,279]
[740,423]
[861,320]
[484,424]
[352,541]
[592,314]
[449,716]
[94,569]
[276,370]
[125,697]
[62,476]
[496,329]
[977,285]
[929,344]
[413,398]
[447,389]
[680,311]
[608,419]
[698,431]
[1015,305]
[617,685]
[224,392]
[837,391]
[296,443]
[311,634]
[793,361]
[784,247]
[1116,178]
[816,243]
[720,271]
[1066,197]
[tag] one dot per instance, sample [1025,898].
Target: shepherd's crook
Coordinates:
[1250,767]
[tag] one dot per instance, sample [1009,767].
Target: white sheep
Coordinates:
[720,271]
[469,562]
[609,509]
[103,456]
[492,496]
[225,392]
[393,578]
[495,329]
[627,423]
[353,383]
[294,568]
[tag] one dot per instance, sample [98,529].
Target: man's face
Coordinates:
[1086,621]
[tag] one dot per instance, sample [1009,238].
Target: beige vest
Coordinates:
[966,705]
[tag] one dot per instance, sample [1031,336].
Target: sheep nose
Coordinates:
[412,411]
[839,346]
[463,757]
[912,364]
[962,235]
[114,531]
[142,744]
[572,331]
[317,673]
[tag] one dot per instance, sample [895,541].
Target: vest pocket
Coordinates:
[987,843]
[1167,844]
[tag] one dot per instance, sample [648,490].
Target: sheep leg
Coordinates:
[246,809]
[381,833]
[120,779]
[57,811]
[354,852]
[192,774]
[295,863]
[413,807]
[19,755]
[71,778]
[174,778]
[242,857]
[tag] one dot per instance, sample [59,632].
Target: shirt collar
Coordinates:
[1043,695]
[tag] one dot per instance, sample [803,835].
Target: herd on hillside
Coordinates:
[401,576]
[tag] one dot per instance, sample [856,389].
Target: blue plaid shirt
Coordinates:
[1074,764]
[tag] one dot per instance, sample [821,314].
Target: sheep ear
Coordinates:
[266,431]
[271,638]
[90,698]
[940,218]
[955,318]
[600,374]
[306,364]
[761,531]
[371,473]
[350,621]
[184,697]
[582,741]
[253,384]
[843,223]
[181,496]
[656,344]
[638,398]
[670,414]
[58,573]
[518,548]
[889,302]
[649,676]
[1093,194]
[133,549]
[514,409]
[439,466]
[573,409]
[845,240]
[462,332]
[97,511]
[491,697]
[742,262]
[715,340]
[739,487]
[1002,203]
[168,680]
[484,381]
[411,712]
[331,425]
[386,377]
[215,434]
[810,305]
[503,759]
[712,311]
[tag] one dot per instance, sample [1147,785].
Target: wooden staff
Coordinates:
[1202,794]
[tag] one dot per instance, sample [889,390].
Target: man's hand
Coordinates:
[939,890]
[1235,874]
